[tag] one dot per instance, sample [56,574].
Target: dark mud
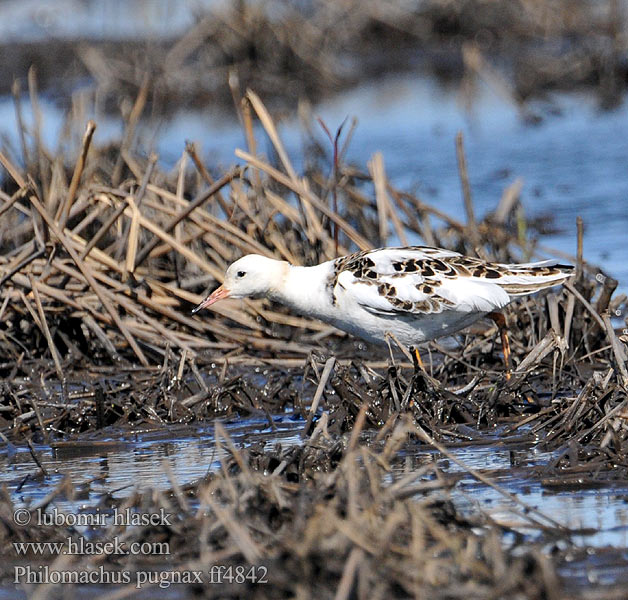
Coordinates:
[507,493]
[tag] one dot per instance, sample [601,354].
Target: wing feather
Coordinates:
[425,280]
[376,282]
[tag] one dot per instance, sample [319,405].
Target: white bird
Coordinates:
[416,293]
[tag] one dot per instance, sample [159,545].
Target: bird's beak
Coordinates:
[218,294]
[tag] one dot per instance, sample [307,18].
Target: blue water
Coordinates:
[135,461]
[40,20]
[574,163]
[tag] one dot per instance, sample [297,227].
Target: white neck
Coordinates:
[305,290]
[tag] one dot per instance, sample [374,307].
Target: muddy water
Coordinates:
[123,461]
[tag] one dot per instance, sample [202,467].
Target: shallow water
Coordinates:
[122,462]
[37,20]
[604,511]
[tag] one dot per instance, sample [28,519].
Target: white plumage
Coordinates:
[416,293]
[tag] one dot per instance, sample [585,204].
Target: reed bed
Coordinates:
[102,258]
[102,261]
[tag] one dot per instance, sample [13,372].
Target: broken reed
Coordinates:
[106,259]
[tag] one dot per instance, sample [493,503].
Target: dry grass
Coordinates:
[98,274]
[101,262]
[326,521]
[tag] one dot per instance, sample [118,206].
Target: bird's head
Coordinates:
[252,276]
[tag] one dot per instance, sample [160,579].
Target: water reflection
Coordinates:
[135,463]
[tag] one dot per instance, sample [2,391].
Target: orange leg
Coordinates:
[418,364]
[418,359]
[500,321]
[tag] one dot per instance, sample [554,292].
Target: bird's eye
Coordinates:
[240,274]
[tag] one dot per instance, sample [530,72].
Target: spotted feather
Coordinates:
[425,280]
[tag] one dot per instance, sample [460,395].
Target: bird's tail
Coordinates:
[532,277]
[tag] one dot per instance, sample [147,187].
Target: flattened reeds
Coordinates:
[129,261]
[106,293]
[339,522]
